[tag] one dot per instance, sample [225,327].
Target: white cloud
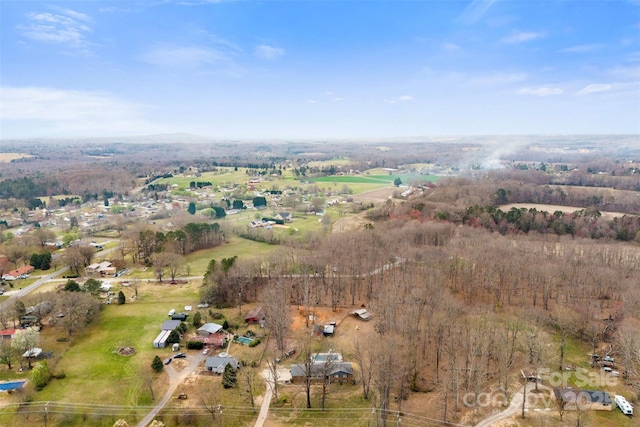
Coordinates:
[268,52]
[582,48]
[404,98]
[475,11]
[69,111]
[594,88]
[183,56]
[450,47]
[541,91]
[65,26]
[522,37]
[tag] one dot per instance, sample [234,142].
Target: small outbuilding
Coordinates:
[170,325]
[161,339]
[328,330]
[33,353]
[255,315]
[7,334]
[362,314]
[209,329]
[179,316]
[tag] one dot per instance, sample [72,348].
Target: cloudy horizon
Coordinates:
[319,69]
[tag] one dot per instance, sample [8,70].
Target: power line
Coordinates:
[336,414]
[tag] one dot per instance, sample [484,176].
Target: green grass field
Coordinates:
[375,179]
[222,177]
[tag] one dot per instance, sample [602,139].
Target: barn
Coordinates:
[255,315]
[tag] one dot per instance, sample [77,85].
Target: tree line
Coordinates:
[455,309]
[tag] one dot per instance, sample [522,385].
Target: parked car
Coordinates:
[180,356]
[205,351]
[167,360]
[203,305]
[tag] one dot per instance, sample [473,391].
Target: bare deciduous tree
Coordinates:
[272,366]
[363,359]
[210,400]
[175,265]
[277,308]
[77,309]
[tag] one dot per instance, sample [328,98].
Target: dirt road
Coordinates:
[175,379]
[514,407]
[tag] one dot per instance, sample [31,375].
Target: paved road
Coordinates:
[266,401]
[514,407]
[175,379]
[16,294]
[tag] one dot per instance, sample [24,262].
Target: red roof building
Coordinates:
[7,334]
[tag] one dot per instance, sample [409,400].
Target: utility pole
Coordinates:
[46,412]
[524,397]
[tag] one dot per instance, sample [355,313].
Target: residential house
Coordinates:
[103,268]
[218,340]
[334,372]
[217,364]
[18,273]
[575,398]
[284,216]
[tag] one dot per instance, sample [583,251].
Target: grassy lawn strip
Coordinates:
[345,406]
[96,374]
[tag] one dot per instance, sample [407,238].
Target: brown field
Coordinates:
[349,223]
[8,157]
[379,195]
[553,208]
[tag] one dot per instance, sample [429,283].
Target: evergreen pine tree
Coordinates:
[229,377]
[157,364]
[197,320]
[121,298]
[174,337]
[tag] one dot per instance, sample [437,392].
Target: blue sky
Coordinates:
[319,69]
